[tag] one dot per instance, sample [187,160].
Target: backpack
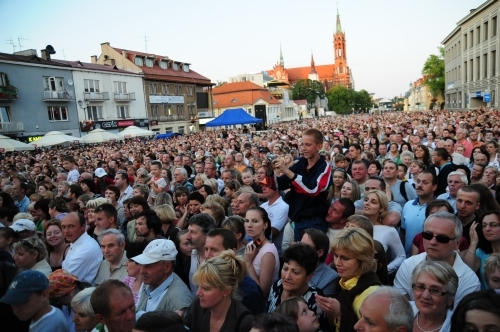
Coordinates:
[402,190]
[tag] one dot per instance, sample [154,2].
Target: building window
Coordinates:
[154,110]
[163,64]
[180,130]
[185,67]
[120,87]
[152,89]
[465,71]
[494,26]
[149,62]
[139,61]
[3,79]
[122,112]
[4,114]
[180,109]
[478,35]
[169,130]
[478,68]
[493,63]
[94,112]
[58,113]
[465,42]
[91,85]
[175,66]
[164,89]
[485,28]
[471,38]
[472,70]
[166,110]
[53,83]
[485,65]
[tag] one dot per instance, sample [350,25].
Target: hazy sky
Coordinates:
[388,41]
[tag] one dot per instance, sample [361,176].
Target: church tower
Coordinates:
[341,73]
[313,74]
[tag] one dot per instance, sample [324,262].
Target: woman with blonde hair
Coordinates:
[351,190]
[353,255]
[215,308]
[166,213]
[92,230]
[199,180]
[375,208]
[30,254]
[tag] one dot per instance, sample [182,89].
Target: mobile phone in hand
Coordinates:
[258,243]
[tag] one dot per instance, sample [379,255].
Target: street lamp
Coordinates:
[86,125]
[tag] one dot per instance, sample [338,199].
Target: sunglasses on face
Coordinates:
[439,238]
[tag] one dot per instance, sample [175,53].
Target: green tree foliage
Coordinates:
[342,100]
[434,72]
[309,90]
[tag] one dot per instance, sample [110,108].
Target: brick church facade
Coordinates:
[329,75]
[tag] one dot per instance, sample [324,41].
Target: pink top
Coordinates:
[129,281]
[268,247]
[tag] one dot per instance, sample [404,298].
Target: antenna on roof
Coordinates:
[146,43]
[11,42]
[64,54]
[19,41]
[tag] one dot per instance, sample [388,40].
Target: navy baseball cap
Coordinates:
[25,284]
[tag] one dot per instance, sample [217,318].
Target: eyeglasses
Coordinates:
[433,290]
[439,238]
[491,224]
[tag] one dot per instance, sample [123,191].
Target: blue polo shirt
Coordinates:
[412,221]
[449,199]
[23,204]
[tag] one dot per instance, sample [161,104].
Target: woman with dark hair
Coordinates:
[298,269]
[423,154]
[477,311]
[134,277]
[339,178]
[488,202]
[405,146]
[484,240]
[57,247]
[6,201]
[297,309]
[183,259]
[88,187]
[491,149]
[466,170]
[206,191]
[374,143]
[41,208]
[477,173]
[393,153]
[261,256]
[136,204]
[477,150]
[374,168]
[8,271]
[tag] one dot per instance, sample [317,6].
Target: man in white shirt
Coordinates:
[276,209]
[84,257]
[441,236]
[162,288]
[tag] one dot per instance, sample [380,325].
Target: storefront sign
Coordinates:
[166,99]
[115,124]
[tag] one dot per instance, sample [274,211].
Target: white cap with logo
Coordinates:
[23,225]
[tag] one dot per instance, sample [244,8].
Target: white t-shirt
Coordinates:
[160,182]
[53,321]
[73,176]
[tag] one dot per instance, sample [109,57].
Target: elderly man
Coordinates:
[458,159]
[114,307]
[244,200]
[456,180]
[162,288]
[84,256]
[181,179]
[385,310]
[211,173]
[112,243]
[441,236]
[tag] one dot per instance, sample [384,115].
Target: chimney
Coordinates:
[124,53]
[93,58]
[45,55]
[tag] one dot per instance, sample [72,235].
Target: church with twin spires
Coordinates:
[337,73]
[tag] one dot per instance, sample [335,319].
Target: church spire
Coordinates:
[313,66]
[339,27]
[282,63]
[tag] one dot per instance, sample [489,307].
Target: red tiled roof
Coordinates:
[300,101]
[241,93]
[169,74]
[237,86]
[95,66]
[302,73]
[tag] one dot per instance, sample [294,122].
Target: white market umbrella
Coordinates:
[9,144]
[134,131]
[54,138]
[99,136]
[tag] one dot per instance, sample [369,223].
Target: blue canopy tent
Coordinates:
[169,135]
[230,117]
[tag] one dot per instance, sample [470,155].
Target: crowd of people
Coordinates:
[350,223]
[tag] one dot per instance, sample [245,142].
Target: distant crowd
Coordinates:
[346,223]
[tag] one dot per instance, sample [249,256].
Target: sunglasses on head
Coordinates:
[439,238]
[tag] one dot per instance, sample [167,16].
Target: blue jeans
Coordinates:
[315,222]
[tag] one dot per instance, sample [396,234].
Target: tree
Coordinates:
[219,83]
[362,100]
[309,90]
[340,99]
[434,73]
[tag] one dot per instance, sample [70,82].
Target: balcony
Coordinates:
[124,97]
[8,92]
[57,96]
[96,96]
[11,127]
[164,118]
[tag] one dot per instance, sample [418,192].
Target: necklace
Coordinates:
[421,329]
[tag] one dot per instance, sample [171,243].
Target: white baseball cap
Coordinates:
[157,250]
[100,172]
[23,225]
